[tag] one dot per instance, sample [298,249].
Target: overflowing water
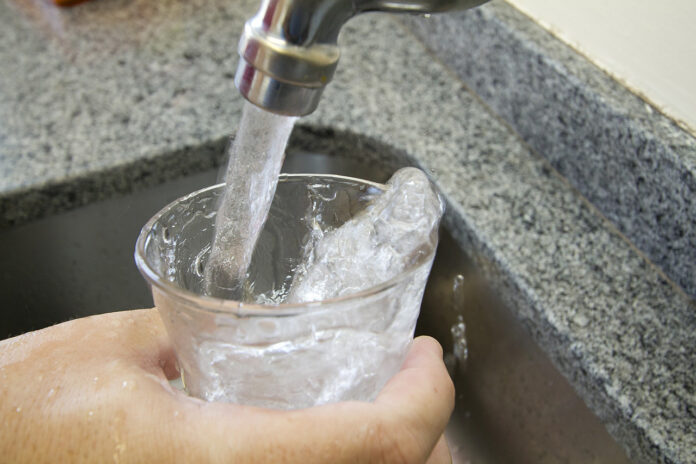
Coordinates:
[255,159]
[394,232]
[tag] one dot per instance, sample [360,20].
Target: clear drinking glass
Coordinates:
[283,356]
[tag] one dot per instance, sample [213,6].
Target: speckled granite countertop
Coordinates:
[635,165]
[117,94]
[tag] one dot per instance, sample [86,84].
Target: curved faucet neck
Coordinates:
[289,49]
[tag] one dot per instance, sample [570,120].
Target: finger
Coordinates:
[422,394]
[441,453]
[423,377]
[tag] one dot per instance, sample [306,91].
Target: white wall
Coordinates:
[648,45]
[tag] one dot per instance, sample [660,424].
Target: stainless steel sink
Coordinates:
[512,404]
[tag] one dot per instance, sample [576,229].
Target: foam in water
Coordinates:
[393,233]
[256,157]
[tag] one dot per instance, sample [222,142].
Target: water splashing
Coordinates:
[460,347]
[460,350]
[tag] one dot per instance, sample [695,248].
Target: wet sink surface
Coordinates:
[512,404]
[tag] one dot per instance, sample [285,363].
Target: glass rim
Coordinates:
[221,306]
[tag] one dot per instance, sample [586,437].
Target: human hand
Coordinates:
[96,390]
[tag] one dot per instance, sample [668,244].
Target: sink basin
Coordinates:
[512,404]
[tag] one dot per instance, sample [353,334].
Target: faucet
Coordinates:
[289,49]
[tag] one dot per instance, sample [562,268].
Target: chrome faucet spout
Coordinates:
[289,51]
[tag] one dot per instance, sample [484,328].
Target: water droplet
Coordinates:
[460,348]
[457,285]
[19,409]
[91,413]
[129,384]
[51,392]
[176,413]
[95,380]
